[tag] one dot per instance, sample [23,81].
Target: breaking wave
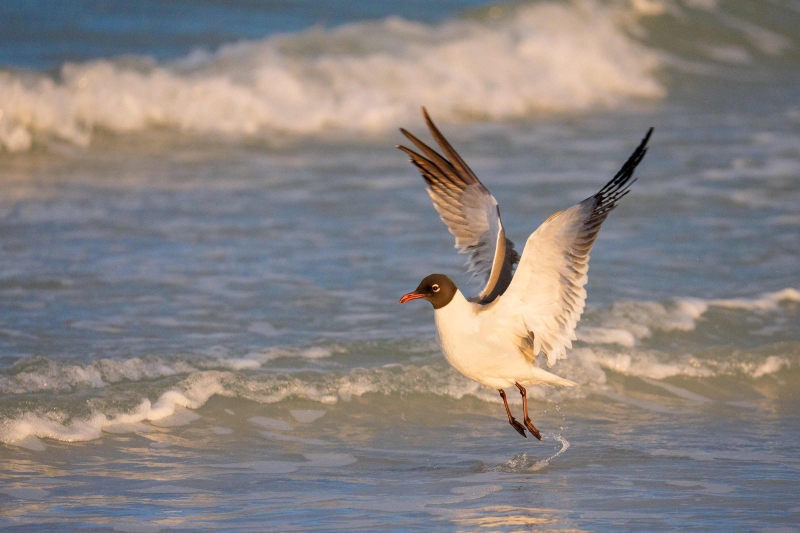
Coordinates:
[504,62]
[125,394]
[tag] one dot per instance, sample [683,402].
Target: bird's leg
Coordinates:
[527,419]
[511,420]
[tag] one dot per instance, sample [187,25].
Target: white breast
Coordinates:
[477,347]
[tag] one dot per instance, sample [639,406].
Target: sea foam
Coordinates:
[361,77]
[159,391]
[628,322]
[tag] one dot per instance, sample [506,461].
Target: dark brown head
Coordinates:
[436,288]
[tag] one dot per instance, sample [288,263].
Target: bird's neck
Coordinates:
[458,306]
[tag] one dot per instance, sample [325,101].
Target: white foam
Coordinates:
[771,364]
[647,364]
[40,374]
[627,322]
[31,443]
[239,363]
[606,336]
[589,365]
[766,302]
[586,365]
[181,417]
[607,348]
[169,410]
[270,354]
[361,77]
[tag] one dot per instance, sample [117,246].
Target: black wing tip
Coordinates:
[638,154]
[643,144]
[619,186]
[640,151]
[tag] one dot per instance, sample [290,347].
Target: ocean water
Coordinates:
[205,228]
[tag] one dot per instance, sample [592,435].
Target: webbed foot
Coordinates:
[527,420]
[516,425]
[532,428]
[511,420]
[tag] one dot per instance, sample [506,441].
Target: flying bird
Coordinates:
[496,336]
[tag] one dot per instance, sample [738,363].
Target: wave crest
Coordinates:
[362,77]
[75,401]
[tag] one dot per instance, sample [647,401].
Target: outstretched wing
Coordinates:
[468,210]
[546,297]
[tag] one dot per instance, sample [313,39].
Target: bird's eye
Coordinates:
[435,287]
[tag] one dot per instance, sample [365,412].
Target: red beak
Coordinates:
[411,296]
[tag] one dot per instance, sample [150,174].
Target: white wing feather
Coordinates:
[546,297]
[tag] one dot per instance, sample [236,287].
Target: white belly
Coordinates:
[480,345]
[472,345]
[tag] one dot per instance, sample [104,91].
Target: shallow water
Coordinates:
[198,294]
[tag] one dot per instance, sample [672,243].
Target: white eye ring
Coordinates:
[435,287]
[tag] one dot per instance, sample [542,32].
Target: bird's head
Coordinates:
[436,288]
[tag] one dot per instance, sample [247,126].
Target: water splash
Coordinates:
[521,462]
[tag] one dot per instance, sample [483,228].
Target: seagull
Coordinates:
[496,336]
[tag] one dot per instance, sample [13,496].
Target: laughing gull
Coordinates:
[495,337]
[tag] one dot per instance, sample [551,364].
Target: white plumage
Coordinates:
[495,337]
[475,341]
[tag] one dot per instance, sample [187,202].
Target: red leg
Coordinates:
[511,420]
[527,419]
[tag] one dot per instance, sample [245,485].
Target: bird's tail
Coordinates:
[540,375]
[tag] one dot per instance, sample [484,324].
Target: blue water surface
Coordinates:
[45,34]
